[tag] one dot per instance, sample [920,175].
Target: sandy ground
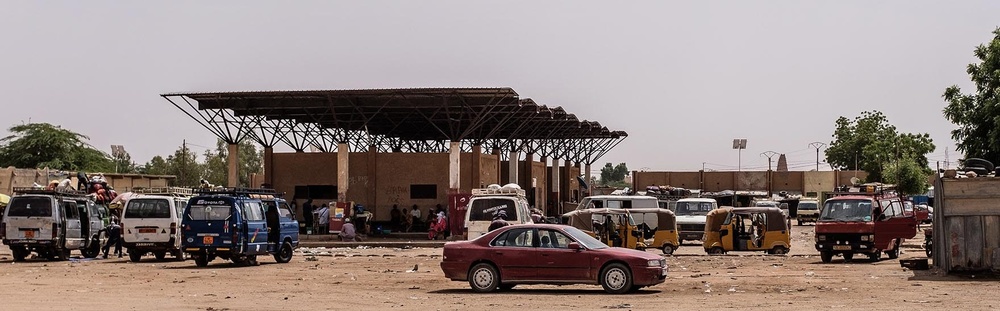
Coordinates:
[381,278]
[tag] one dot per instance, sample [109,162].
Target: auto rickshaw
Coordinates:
[612,226]
[658,227]
[746,229]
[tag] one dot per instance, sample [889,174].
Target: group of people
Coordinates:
[411,219]
[317,218]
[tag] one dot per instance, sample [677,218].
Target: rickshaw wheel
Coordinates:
[667,249]
[779,250]
[716,251]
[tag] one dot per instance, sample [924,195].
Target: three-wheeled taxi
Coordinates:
[746,229]
[612,226]
[658,227]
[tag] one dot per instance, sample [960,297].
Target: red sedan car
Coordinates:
[548,254]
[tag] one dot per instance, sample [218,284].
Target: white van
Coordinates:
[486,203]
[691,217]
[618,201]
[51,223]
[152,223]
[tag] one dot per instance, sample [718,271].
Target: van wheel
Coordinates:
[284,253]
[201,260]
[716,251]
[63,254]
[160,255]
[93,251]
[484,278]
[616,279]
[848,257]
[19,253]
[134,255]
[668,249]
[894,253]
[826,256]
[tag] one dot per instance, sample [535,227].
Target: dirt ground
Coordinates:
[382,278]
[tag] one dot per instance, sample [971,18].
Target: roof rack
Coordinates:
[499,191]
[166,191]
[236,191]
[33,190]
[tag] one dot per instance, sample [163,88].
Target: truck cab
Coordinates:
[51,223]
[232,224]
[691,217]
[869,222]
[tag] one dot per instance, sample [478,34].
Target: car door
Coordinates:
[71,218]
[515,254]
[558,262]
[289,226]
[255,228]
[894,225]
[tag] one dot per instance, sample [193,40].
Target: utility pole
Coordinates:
[769,154]
[817,145]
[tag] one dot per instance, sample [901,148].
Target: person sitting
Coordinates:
[545,242]
[499,221]
[348,233]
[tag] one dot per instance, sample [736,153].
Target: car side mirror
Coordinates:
[723,232]
[575,246]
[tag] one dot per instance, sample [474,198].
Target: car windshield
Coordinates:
[209,212]
[847,210]
[30,207]
[147,208]
[584,239]
[693,208]
[809,206]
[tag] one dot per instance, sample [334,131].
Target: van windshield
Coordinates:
[808,206]
[209,212]
[147,208]
[693,208]
[847,210]
[30,207]
[485,209]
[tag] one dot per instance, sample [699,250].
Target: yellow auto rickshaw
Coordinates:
[658,227]
[746,229]
[612,226]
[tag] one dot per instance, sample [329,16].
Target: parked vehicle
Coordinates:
[691,217]
[746,229]
[658,227]
[618,201]
[613,227]
[51,223]
[869,220]
[807,211]
[279,215]
[548,254]
[230,223]
[929,242]
[486,203]
[150,222]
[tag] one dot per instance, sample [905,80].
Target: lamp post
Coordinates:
[739,144]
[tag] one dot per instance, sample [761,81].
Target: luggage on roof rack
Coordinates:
[33,190]
[167,191]
[235,191]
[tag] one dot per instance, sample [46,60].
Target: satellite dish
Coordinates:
[855,180]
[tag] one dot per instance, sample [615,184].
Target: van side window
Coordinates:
[70,210]
[285,211]
[598,204]
[252,212]
[615,204]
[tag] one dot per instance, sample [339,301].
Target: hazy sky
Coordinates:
[682,78]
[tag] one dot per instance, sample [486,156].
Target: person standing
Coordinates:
[415,212]
[114,233]
[395,217]
[307,214]
[324,219]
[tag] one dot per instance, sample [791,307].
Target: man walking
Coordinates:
[114,233]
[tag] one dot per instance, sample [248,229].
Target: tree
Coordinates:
[614,175]
[37,145]
[123,164]
[871,143]
[184,164]
[978,132]
[155,166]
[908,176]
[251,161]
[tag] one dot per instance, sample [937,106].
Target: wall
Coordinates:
[397,171]
[19,177]
[967,224]
[795,182]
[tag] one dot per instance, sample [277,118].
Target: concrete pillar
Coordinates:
[526,173]
[268,166]
[542,191]
[477,167]
[233,160]
[343,171]
[586,176]
[556,185]
[496,153]
[512,164]
[371,183]
[454,166]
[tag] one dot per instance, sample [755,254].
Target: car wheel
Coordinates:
[616,279]
[876,256]
[716,251]
[668,249]
[484,278]
[826,256]
[284,253]
[894,253]
[251,260]
[159,255]
[848,257]
[135,255]
[201,260]
[779,250]
[507,286]
[19,253]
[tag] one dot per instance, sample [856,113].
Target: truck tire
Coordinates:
[826,256]
[160,255]
[134,255]
[848,257]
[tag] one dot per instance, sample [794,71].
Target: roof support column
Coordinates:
[527,177]
[343,172]
[454,166]
[477,167]
[542,190]
[268,166]
[512,165]
[496,153]
[233,159]
[555,186]
[586,177]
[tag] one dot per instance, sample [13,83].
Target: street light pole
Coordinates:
[817,145]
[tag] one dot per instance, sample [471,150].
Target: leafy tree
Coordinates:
[976,113]
[155,166]
[37,145]
[908,175]
[184,164]
[251,160]
[124,164]
[614,175]
[871,143]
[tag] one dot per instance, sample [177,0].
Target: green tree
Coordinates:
[123,164]
[871,143]
[614,175]
[37,145]
[976,113]
[908,175]
[184,164]
[251,161]
[155,166]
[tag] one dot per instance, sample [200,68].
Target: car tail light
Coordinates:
[173,228]
[55,231]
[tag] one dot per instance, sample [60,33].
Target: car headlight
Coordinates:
[867,238]
[655,263]
[820,237]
